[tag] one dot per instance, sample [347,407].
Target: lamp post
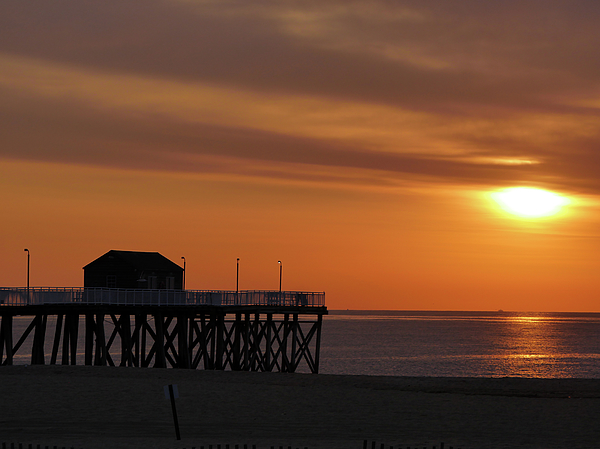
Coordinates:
[280,268]
[183,272]
[237,278]
[28,258]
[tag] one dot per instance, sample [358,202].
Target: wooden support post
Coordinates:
[1,338]
[137,335]
[36,337]
[100,357]
[268,363]
[190,325]
[113,335]
[56,343]
[39,338]
[318,344]
[183,360]
[251,360]
[294,360]
[66,339]
[220,336]
[236,365]
[206,341]
[285,368]
[74,332]
[42,339]
[7,340]
[198,347]
[143,334]
[226,345]
[211,341]
[246,363]
[90,330]
[174,409]
[203,351]
[254,342]
[159,342]
[126,345]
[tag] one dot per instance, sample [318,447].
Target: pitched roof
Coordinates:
[141,260]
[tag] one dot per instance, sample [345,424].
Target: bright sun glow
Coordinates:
[528,202]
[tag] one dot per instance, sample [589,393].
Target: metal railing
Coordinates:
[131,297]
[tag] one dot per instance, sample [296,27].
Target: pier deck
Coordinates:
[244,330]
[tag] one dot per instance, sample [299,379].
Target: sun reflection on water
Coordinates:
[462,344]
[530,345]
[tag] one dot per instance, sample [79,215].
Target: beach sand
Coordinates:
[101,407]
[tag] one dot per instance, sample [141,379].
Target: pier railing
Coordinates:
[131,297]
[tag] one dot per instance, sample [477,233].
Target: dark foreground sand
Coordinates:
[98,407]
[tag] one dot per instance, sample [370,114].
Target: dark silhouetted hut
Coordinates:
[133,269]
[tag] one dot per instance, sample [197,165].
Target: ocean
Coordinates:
[442,344]
[461,344]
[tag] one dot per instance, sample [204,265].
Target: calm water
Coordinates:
[471,344]
[456,344]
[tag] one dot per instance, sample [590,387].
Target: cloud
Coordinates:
[362,92]
[70,131]
[417,55]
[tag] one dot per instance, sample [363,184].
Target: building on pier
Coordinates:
[133,270]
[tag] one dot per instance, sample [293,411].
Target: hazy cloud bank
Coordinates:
[461,92]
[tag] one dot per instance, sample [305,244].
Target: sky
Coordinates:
[362,143]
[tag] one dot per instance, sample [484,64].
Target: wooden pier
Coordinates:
[216,330]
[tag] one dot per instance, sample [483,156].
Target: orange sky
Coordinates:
[357,142]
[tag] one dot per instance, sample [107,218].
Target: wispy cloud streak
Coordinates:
[444,92]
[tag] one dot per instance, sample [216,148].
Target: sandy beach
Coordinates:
[99,407]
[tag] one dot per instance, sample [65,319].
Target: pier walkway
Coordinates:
[116,296]
[252,330]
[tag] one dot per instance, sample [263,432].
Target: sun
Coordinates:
[528,202]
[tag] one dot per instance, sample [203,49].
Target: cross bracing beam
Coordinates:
[239,339]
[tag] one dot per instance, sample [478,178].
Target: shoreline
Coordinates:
[93,407]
